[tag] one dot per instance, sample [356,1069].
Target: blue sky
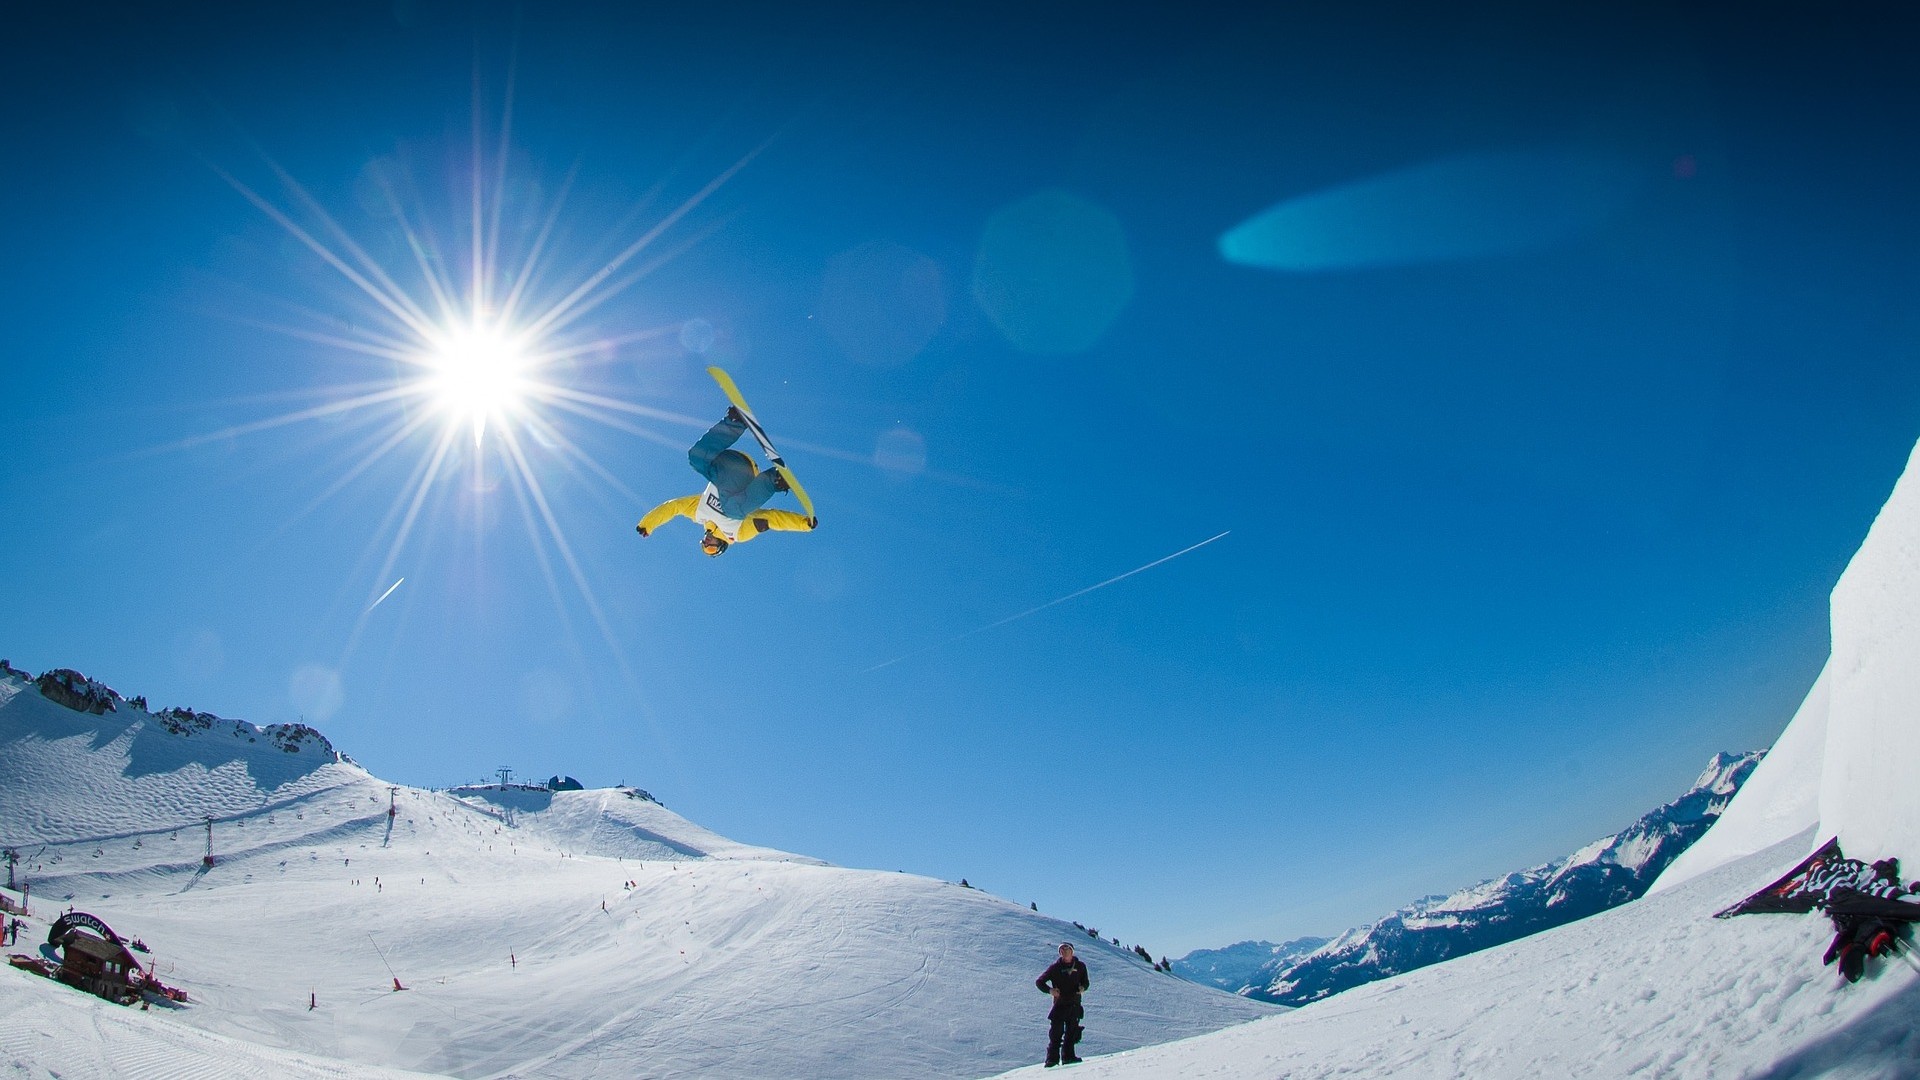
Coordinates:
[1561,364]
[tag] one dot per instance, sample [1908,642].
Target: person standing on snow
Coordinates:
[1066,980]
[729,511]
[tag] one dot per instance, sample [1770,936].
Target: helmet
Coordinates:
[713,544]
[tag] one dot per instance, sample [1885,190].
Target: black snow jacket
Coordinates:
[1070,978]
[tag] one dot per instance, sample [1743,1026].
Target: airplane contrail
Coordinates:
[386,594]
[1043,607]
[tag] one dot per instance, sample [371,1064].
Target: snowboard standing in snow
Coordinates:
[730,510]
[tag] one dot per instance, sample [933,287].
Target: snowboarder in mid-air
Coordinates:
[731,510]
[1066,980]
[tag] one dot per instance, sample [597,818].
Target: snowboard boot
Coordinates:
[1844,931]
[779,481]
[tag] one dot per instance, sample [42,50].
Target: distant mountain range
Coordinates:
[1232,968]
[1604,874]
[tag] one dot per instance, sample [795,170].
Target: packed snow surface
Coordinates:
[45,1035]
[553,934]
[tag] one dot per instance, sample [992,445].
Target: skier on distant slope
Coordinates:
[730,510]
[1066,979]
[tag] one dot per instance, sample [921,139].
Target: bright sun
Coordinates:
[476,373]
[473,342]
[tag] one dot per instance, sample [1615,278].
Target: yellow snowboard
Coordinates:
[760,435]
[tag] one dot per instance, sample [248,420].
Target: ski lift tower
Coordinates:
[13,858]
[393,803]
[207,860]
[505,773]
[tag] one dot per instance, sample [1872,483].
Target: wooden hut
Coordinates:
[94,959]
[100,967]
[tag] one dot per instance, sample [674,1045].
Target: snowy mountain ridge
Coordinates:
[586,934]
[1601,875]
[93,762]
[1231,967]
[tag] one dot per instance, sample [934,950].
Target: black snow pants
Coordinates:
[1065,1030]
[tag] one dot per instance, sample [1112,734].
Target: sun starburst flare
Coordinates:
[495,354]
[478,373]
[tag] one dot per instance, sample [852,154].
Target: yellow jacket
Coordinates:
[759,521]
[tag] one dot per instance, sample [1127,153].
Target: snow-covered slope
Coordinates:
[616,822]
[597,935]
[1658,987]
[1655,988]
[1604,874]
[69,774]
[68,1036]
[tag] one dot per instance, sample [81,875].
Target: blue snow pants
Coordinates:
[742,491]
